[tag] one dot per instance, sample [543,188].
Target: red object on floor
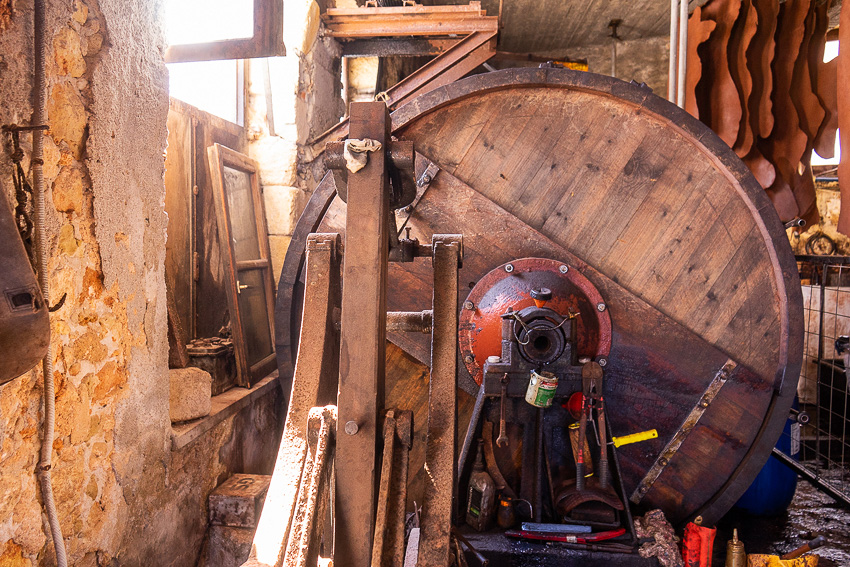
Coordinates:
[697,545]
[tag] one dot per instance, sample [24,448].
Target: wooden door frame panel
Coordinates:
[220,157]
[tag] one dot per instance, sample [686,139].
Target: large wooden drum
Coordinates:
[658,214]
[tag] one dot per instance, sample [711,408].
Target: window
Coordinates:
[216,87]
[206,30]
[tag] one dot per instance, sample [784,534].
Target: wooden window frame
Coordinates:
[220,157]
[267,40]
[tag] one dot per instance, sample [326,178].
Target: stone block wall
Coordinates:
[124,497]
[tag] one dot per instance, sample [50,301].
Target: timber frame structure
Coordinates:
[461,37]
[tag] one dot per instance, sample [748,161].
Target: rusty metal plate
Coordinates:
[510,285]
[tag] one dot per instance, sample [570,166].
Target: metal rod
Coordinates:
[470,431]
[345,84]
[683,53]
[674,46]
[811,477]
[818,370]
[409,321]
[613,56]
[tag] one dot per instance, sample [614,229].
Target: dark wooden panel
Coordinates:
[178,206]
[191,132]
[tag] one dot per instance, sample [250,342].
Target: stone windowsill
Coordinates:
[224,405]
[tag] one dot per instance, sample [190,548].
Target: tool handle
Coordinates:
[579,476]
[814,544]
[481,559]
[604,474]
[635,438]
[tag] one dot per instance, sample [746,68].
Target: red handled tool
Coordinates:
[566,538]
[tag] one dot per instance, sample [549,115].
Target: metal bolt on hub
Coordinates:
[468,358]
[509,268]
[600,307]
[564,268]
[468,305]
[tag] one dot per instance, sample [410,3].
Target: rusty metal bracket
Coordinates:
[306,534]
[388,545]
[690,423]
[436,520]
[409,321]
[315,371]
[423,182]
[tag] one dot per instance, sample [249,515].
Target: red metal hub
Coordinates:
[510,286]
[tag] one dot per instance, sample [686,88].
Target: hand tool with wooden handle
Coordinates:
[814,544]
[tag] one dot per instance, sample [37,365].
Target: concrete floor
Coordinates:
[812,513]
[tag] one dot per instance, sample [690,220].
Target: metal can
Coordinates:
[541,389]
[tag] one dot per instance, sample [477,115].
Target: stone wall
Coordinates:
[124,497]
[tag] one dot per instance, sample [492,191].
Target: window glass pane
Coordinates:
[201,21]
[212,86]
[240,205]
[255,315]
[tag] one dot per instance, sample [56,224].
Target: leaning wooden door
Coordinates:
[244,240]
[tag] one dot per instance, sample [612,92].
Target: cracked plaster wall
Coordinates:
[124,498]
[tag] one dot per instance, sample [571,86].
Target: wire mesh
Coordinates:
[820,425]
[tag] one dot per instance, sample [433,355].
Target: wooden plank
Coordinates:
[648,169]
[362,356]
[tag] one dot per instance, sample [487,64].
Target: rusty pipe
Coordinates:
[683,53]
[674,47]
[409,321]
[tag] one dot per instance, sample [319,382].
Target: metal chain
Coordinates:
[23,197]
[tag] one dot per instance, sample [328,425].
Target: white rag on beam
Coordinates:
[356,152]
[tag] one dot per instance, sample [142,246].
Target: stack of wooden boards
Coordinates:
[756,76]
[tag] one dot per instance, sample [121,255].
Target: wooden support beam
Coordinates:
[363,342]
[407,21]
[449,66]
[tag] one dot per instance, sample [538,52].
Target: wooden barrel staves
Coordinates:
[663,219]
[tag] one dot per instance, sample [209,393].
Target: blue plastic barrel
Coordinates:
[773,489]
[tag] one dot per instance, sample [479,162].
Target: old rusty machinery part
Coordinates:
[24,323]
[682,243]
[564,297]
